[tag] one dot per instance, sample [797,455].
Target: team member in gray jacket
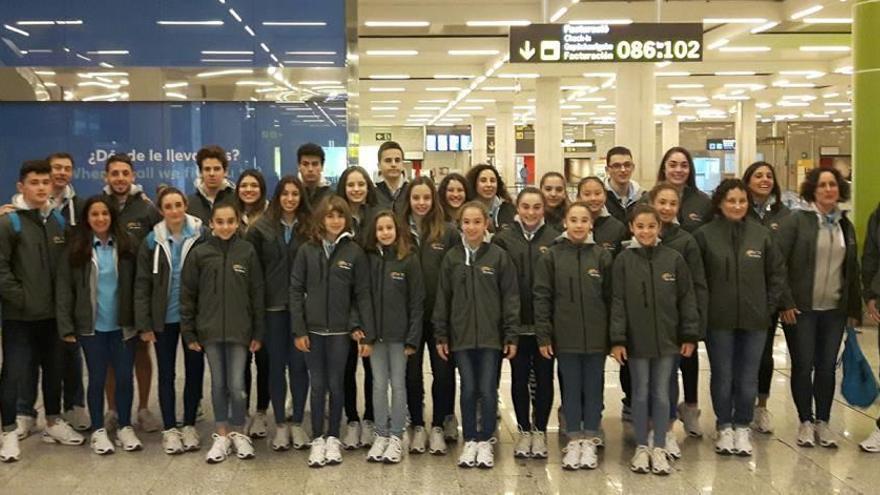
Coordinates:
[95,307]
[476,317]
[654,319]
[572,295]
[398,302]
[819,245]
[330,300]
[871,292]
[222,314]
[665,199]
[422,211]
[277,236]
[157,315]
[746,278]
[677,168]
[765,198]
[525,241]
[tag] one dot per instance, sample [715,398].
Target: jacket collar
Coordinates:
[192,227]
[200,188]
[633,192]
[529,235]
[21,205]
[134,191]
[564,238]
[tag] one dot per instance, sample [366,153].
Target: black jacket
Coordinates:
[654,309]
[695,209]
[431,256]
[221,293]
[200,206]
[772,218]
[525,255]
[617,210]
[745,274]
[555,217]
[871,258]
[391,201]
[331,295]
[477,300]
[76,295]
[398,297]
[573,297]
[504,216]
[797,242]
[680,240]
[609,233]
[276,258]
[137,215]
[360,225]
[314,195]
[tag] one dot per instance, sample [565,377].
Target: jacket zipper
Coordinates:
[654,306]
[379,331]
[223,272]
[736,249]
[581,297]
[473,307]
[828,267]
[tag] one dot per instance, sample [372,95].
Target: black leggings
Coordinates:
[261,357]
[442,386]
[690,376]
[351,395]
[765,374]
[528,362]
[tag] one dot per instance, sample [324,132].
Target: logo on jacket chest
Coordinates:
[594,273]
[774,226]
[240,269]
[398,276]
[344,265]
[487,270]
[438,246]
[134,226]
[667,277]
[58,239]
[754,253]
[696,217]
[543,249]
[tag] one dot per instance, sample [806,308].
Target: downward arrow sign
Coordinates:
[527,52]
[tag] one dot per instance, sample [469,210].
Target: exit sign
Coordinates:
[383,136]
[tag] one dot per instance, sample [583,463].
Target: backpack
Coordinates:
[16,220]
[859,385]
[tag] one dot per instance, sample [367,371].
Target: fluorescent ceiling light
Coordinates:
[434,101]
[479,100]
[805,12]
[844,70]
[384,109]
[749,86]
[44,72]
[606,107]
[16,30]
[318,83]
[420,115]
[687,98]
[83,57]
[387,90]
[735,73]
[786,84]
[235,15]
[786,103]
[397,23]
[731,97]
[518,22]
[309,62]
[96,84]
[254,83]
[500,88]
[222,60]
[227,52]
[684,86]
[423,108]
[558,14]
[190,23]
[570,107]
[763,105]
[828,20]
[615,22]
[227,72]
[695,105]
[825,48]
[837,103]
[470,107]
[453,76]
[389,76]
[294,23]
[172,85]
[590,99]
[799,97]
[672,74]
[744,49]
[392,53]
[74,22]
[107,52]
[179,96]
[734,20]
[519,76]
[443,88]
[830,95]
[309,53]
[111,96]
[465,53]
[599,74]
[798,72]
[764,27]
[718,44]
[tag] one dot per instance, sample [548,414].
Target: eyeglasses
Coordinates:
[624,165]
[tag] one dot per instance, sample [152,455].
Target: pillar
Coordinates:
[746,133]
[670,132]
[548,127]
[479,153]
[866,112]
[505,142]
[634,126]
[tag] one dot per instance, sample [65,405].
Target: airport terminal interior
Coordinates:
[527,86]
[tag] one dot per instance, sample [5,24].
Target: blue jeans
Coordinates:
[734,358]
[583,390]
[109,349]
[285,357]
[326,360]
[388,361]
[28,345]
[478,369]
[813,345]
[194,372]
[649,378]
[227,362]
[527,361]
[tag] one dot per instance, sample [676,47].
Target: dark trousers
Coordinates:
[442,386]
[261,358]
[72,392]
[105,349]
[286,363]
[478,369]
[813,344]
[28,345]
[194,372]
[528,361]
[583,392]
[351,392]
[326,361]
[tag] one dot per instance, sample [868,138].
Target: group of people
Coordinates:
[307,282]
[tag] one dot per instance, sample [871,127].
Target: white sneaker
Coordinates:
[523,448]
[111,420]
[825,436]
[128,440]
[690,416]
[450,428]
[763,422]
[299,436]
[742,442]
[24,426]
[352,438]
[219,449]
[78,417]
[333,451]
[377,451]
[539,445]
[368,433]
[148,421]
[485,455]
[437,442]
[589,459]
[394,451]
[244,446]
[872,443]
[660,462]
[806,434]
[191,440]
[724,443]
[258,426]
[9,451]
[172,442]
[672,447]
[572,458]
[468,457]
[419,440]
[282,438]
[61,432]
[641,460]
[101,443]
[316,453]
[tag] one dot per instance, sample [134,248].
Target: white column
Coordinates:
[670,132]
[479,153]
[548,127]
[746,135]
[505,142]
[635,128]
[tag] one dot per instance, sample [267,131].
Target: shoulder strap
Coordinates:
[15,220]
[59,218]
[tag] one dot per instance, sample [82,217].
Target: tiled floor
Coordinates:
[778,465]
